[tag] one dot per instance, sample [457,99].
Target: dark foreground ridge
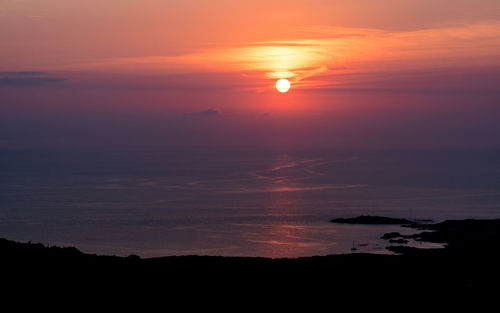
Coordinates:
[469,264]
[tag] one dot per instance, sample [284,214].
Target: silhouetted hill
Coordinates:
[468,266]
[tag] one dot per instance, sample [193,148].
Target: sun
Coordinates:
[283,85]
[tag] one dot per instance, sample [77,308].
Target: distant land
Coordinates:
[372,220]
[468,263]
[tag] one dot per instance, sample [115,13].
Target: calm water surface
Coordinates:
[235,202]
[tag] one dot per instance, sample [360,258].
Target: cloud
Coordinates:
[22,73]
[204,113]
[27,79]
[318,62]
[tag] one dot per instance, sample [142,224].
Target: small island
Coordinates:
[470,235]
[373,220]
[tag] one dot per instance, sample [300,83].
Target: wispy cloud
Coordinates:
[335,55]
[22,73]
[26,78]
[204,113]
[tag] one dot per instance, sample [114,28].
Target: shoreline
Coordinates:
[456,235]
[469,262]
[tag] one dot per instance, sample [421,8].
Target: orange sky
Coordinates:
[354,65]
[265,36]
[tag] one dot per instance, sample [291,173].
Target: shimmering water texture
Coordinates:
[235,203]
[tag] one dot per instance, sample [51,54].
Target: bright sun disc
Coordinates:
[283,85]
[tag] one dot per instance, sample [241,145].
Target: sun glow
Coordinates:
[283,85]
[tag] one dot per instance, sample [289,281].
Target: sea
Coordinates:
[225,201]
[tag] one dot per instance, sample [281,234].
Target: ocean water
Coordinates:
[235,202]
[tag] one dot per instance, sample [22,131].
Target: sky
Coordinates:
[163,73]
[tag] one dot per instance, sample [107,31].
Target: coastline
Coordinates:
[469,262]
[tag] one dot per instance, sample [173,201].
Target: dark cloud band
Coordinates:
[24,79]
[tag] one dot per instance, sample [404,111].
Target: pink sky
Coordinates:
[396,72]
